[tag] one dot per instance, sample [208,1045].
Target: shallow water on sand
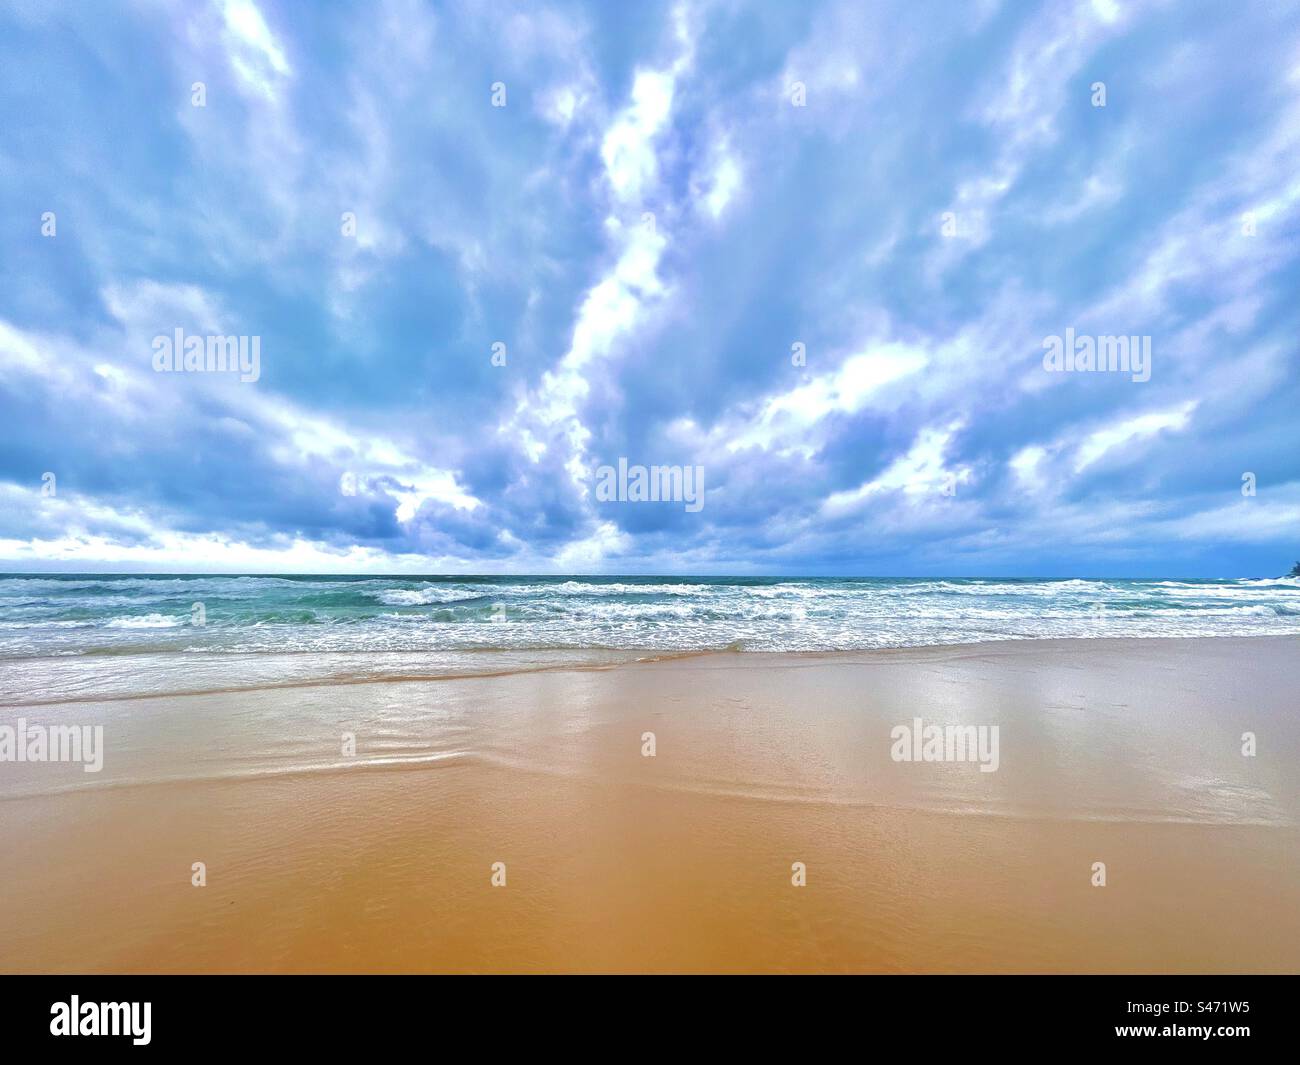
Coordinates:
[1127,753]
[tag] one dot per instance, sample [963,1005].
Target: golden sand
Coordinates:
[1125,753]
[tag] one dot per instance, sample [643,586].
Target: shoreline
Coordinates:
[633,657]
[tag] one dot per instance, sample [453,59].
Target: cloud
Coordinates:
[255,54]
[1106,440]
[645,231]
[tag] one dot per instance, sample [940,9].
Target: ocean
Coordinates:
[122,615]
[64,636]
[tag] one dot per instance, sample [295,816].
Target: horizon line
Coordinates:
[623,576]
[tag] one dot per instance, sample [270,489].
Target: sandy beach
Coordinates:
[1122,752]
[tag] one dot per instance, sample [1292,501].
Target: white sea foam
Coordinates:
[147,621]
[418,597]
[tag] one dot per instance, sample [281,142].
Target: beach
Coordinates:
[652,813]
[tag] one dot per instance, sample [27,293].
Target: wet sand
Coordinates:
[1122,752]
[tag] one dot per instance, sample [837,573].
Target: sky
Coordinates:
[816,255]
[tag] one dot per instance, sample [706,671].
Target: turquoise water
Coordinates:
[124,615]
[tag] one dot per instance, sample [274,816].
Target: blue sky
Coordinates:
[670,199]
